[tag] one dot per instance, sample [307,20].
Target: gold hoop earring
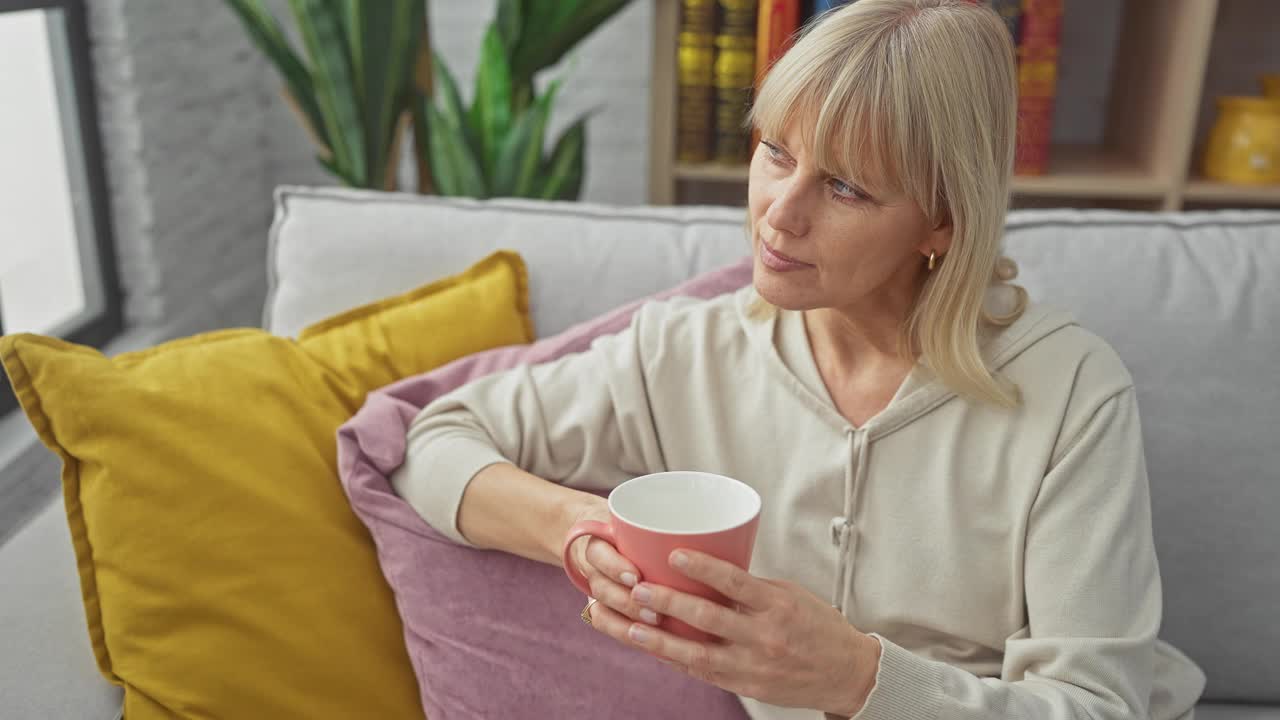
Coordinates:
[933,260]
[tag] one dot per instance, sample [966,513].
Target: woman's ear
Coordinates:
[939,239]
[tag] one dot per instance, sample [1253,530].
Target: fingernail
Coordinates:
[642,595]
[638,634]
[649,616]
[680,560]
[629,579]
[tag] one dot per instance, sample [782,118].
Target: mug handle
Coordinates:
[587,527]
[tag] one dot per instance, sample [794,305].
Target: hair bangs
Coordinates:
[792,88]
[849,110]
[855,135]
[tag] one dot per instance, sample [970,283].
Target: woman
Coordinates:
[956,513]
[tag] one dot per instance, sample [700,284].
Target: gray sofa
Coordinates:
[1191,301]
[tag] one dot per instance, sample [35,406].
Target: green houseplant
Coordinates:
[353,94]
[369,73]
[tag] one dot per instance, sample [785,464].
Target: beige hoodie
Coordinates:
[1004,558]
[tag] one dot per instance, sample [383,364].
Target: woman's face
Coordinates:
[826,242]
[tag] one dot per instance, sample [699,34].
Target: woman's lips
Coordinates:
[775,260]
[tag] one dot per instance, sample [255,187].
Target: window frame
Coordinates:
[97,329]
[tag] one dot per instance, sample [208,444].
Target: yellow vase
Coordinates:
[1244,144]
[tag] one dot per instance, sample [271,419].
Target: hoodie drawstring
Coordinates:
[842,525]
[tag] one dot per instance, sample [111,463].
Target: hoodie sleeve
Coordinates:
[583,420]
[1093,599]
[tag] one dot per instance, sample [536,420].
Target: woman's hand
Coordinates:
[782,645]
[609,575]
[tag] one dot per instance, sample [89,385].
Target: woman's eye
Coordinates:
[845,190]
[841,190]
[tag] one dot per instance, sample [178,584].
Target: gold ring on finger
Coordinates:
[586,611]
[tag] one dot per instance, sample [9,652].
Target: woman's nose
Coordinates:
[789,212]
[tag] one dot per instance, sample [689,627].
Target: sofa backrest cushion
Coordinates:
[1191,301]
[333,248]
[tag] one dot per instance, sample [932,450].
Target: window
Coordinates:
[57,265]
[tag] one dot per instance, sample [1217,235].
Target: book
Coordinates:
[734,79]
[776,24]
[695,101]
[1011,12]
[1038,46]
[821,6]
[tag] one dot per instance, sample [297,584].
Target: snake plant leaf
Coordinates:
[454,168]
[392,33]
[339,10]
[409,37]
[444,172]
[422,144]
[512,148]
[369,26]
[449,103]
[532,162]
[335,170]
[510,22]
[265,32]
[521,158]
[563,171]
[444,177]
[491,110]
[350,16]
[537,40]
[555,26]
[335,91]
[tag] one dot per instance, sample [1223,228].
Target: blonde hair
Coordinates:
[922,96]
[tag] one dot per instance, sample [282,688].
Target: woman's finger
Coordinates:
[732,581]
[605,558]
[607,574]
[618,598]
[708,663]
[711,617]
[610,622]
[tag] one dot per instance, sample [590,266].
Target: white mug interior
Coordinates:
[685,502]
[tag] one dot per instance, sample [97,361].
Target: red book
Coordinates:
[778,21]
[1037,83]
[776,26]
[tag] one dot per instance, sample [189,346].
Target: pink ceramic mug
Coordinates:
[654,515]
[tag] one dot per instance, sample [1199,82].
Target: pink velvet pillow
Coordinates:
[492,634]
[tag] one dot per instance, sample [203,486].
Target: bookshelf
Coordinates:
[1157,112]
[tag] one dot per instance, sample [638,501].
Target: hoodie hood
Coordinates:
[780,337]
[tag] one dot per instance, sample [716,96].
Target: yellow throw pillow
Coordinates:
[224,574]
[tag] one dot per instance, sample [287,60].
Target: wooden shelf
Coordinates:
[1140,159]
[711,172]
[1213,191]
[1091,172]
[1074,172]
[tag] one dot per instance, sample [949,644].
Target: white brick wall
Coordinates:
[180,100]
[196,136]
